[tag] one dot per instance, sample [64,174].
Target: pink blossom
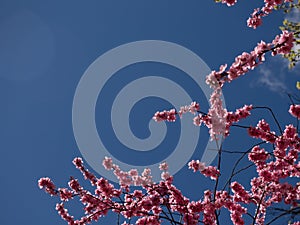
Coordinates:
[165,115]
[283,43]
[200,118]
[152,202]
[261,131]
[152,220]
[208,171]
[78,162]
[65,194]
[192,108]
[295,111]
[295,223]
[163,166]
[229,2]
[255,20]
[196,165]
[64,214]
[217,114]
[258,155]
[211,172]
[74,185]
[107,163]
[214,78]
[165,175]
[46,184]
[261,49]
[240,192]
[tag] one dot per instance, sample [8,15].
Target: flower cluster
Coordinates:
[170,115]
[274,168]
[129,178]
[150,204]
[295,111]
[282,44]
[140,200]
[256,17]
[208,171]
[218,119]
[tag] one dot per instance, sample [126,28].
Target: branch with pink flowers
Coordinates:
[157,202]
[274,189]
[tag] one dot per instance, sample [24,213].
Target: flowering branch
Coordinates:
[140,200]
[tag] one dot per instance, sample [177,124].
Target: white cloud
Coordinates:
[275,80]
[274,83]
[294,15]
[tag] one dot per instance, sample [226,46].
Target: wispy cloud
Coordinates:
[272,74]
[294,15]
[274,83]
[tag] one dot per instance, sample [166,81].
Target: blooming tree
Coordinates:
[139,200]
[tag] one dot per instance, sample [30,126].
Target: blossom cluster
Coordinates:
[159,201]
[170,115]
[140,200]
[155,201]
[256,17]
[208,171]
[295,111]
[218,119]
[282,44]
[150,204]
[128,178]
[280,164]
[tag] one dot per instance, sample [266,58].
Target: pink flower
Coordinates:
[217,114]
[165,115]
[107,163]
[283,43]
[258,154]
[48,185]
[165,175]
[255,20]
[196,165]
[211,172]
[214,78]
[290,132]
[198,120]
[74,185]
[192,108]
[78,162]
[208,171]
[295,223]
[65,194]
[240,192]
[295,111]
[229,2]
[261,49]
[163,166]
[64,213]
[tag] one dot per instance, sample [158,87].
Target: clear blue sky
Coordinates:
[45,48]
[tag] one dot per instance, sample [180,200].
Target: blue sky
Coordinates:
[46,46]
